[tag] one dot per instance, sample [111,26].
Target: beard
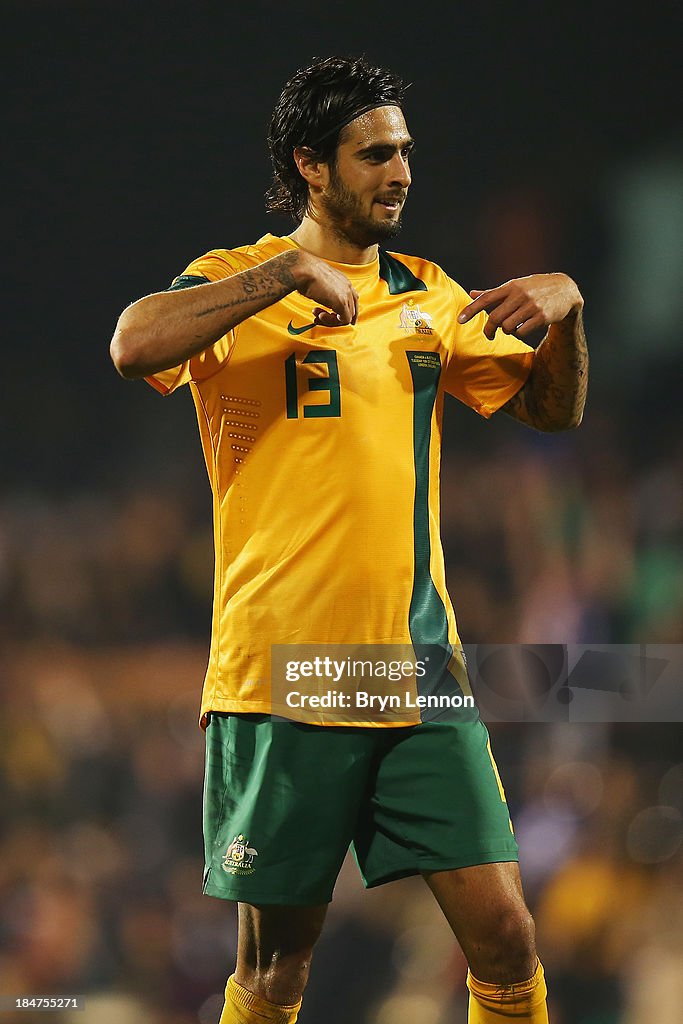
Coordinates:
[349,220]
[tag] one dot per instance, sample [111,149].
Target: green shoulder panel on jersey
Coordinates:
[397,275]
[188,281]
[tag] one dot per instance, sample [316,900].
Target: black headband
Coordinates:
[349,117]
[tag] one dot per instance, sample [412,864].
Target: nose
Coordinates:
[399,171]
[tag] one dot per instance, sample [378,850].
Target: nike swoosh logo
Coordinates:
[299,330]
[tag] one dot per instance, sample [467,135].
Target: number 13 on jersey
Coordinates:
[294,376]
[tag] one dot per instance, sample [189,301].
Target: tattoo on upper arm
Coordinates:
[554,395]
[516,406]
[271,281]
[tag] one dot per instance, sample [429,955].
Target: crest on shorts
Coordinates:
[415,320]
[238,859]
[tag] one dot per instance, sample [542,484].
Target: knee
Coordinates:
[279,978]
[275,948]
[506,953]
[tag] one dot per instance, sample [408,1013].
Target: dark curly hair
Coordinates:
[313,109]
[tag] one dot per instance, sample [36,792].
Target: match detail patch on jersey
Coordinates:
[414,320]
[238,859]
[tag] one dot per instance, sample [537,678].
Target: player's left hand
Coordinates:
[526,305]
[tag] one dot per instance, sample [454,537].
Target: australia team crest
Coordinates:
[238,859]
[414,319]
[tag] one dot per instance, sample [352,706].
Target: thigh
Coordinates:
[280,804]
[438,804]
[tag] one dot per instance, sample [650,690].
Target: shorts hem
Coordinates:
[268,898]
[473,860]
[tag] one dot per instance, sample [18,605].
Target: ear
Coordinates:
[311,168]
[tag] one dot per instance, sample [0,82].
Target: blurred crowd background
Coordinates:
[545,142]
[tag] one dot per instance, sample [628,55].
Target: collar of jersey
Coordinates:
[355,272]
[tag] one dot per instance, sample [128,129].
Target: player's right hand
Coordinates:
[338,299]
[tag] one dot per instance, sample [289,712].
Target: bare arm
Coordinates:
[554,395]
[166,328]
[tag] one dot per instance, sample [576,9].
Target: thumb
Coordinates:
[474,292]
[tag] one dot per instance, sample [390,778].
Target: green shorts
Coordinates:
[283,801]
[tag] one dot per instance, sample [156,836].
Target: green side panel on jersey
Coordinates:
[427,619]
[427,616]
[188,281]
[397,275]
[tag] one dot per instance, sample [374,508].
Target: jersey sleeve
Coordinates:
[214,266]
[481,373]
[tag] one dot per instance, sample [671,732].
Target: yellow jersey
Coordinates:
[323,452]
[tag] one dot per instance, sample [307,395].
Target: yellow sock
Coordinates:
[493,1004]
[243,1007]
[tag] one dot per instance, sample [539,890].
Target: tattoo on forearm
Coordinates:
[554,396]
[270,281]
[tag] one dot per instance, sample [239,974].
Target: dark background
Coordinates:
[135,140]
[548,138]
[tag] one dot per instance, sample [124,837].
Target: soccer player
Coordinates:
[318,364]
